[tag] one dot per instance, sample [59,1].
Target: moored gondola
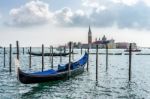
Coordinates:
[53,75]
[49,54]
[133,50]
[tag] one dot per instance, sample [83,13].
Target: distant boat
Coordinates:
[133,50]
[15,53]
[108,53]
[49,54]
[60,49]
[118,54]
[3,53]
[53,75]
[143,54]
[126,53]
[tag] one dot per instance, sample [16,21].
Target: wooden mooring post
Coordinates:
[23,50]
[42,57]
[72,52]
[130,60]
[60,55]
[10,57]
[88,59]
[81,50]
[51,56]
[106,57]
[96,62]
[30,50]
[17,44]
[50,52]
[65,49]
[4,56]
[69,73]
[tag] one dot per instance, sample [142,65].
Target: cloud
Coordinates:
[133,14]
[127,2]
[80,18]
[100,13]
[66,17]
[32,13]
[63,16]
[136,16]
[131,2]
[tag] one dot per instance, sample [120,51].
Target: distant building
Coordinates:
[122,45]
[125,45]
[91,44]
[89,36]
[134,46]
[110,42]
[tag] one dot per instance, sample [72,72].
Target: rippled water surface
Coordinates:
[111,84]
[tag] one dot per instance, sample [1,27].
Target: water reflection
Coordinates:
[112,84]
[40,88]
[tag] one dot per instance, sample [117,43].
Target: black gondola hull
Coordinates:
[30,79]
[53,75]
[49,54]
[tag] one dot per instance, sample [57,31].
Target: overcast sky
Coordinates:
[55,22]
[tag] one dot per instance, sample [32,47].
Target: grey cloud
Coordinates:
[32,13]
[63,17]
[136,16]
[103,14]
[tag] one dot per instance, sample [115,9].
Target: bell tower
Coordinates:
[89,36]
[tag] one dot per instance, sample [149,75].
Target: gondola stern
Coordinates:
[20,76]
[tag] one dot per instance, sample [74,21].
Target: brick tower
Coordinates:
[89,36]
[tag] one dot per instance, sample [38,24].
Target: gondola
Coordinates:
[133,50]
[61,73]
[49,54]
[142,54]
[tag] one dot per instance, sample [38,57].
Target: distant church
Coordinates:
[89,36]
[110,42]
[92,44]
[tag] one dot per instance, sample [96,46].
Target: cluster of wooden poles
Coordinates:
[130,61]
[29,51]
[10,55]
[70,51]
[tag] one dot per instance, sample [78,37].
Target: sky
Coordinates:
[56,22]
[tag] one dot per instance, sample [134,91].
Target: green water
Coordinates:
[111,84]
